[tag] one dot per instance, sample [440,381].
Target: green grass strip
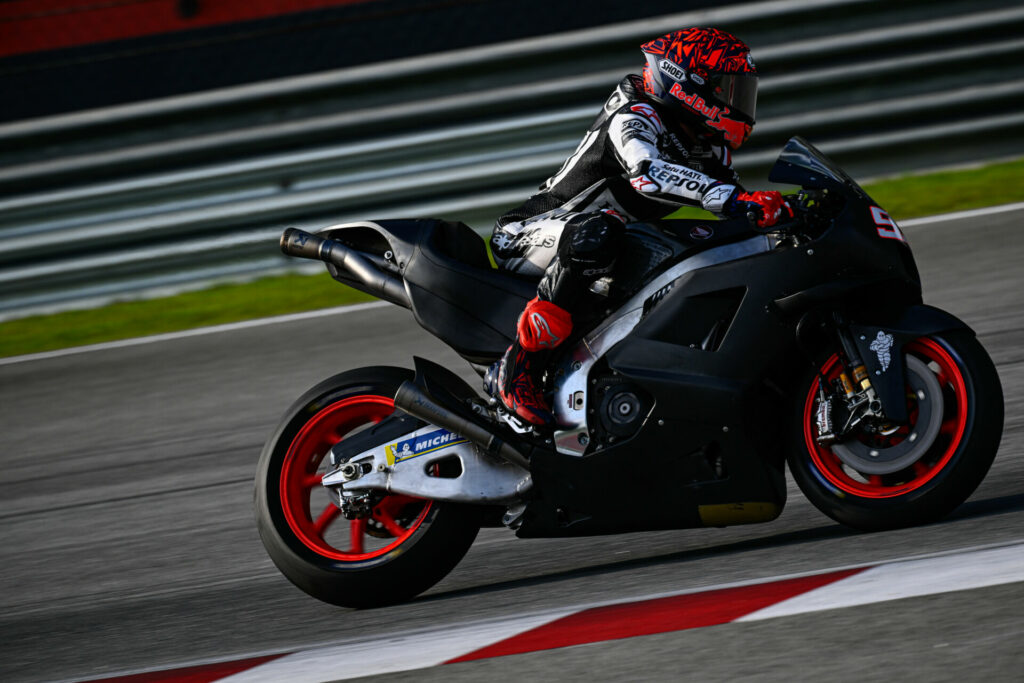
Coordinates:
[905,197]
[221,304]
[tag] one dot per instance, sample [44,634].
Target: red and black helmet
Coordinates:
[708,77]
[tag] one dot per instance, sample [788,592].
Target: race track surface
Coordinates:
[128,540]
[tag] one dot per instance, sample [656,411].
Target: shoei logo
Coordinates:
[421,444]
[672,69]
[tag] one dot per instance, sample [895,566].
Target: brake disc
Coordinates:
[872,460]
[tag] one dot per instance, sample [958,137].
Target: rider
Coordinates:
[661,141]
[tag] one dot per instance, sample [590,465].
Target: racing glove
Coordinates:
[768,206]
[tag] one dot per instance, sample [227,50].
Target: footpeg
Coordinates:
[513,517]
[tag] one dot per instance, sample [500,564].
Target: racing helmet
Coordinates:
[707,78]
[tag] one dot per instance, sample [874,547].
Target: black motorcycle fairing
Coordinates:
[649,248]
[677,472]
[713,438]
[719,358]
[866,286]
[734,304]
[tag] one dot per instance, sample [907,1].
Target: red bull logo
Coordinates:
[734,132]
[694,102]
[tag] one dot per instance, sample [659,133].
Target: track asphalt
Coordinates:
[128,542]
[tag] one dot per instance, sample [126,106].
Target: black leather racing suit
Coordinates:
[635,163]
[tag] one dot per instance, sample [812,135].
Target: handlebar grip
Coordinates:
[295,242]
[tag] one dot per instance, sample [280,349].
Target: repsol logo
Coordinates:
[672,69]
[666,176]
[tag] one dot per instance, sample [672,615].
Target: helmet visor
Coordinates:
[736,91]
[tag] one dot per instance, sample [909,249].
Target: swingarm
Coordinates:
[429,462]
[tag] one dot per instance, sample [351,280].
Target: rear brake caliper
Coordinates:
[359,506]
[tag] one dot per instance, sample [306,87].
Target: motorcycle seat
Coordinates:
[454,292]
[458,297]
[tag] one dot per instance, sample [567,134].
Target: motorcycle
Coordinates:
[717,354]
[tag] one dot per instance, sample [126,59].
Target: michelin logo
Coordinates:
[882,346]
[421,444]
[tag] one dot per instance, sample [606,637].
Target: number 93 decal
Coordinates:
[887,227]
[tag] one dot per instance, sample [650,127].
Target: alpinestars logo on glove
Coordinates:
[542,331]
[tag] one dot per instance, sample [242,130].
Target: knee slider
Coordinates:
[593,243]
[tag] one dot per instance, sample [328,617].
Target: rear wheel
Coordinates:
[402,548]
[923,470]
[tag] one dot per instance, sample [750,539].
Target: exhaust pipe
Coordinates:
[295,242]
[414,401]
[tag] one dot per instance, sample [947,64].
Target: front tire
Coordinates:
[940,474]
[406,545]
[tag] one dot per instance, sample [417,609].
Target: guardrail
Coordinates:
[189,190]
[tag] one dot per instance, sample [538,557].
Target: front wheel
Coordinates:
[926,468]
[401,549]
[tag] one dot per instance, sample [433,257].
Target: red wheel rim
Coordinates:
[954,423]
[395,517]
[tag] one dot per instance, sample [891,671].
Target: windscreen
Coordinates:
[800,163]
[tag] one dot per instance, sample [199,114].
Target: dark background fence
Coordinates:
[58,56]
[193,188]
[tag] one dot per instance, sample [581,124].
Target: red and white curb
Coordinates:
[743,602]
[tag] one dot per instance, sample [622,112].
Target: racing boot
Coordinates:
[541,328]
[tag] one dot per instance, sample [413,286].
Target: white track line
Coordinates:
[340,310]
[957,215]
[197,332]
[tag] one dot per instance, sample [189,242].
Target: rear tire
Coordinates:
[943,475]
[404,548]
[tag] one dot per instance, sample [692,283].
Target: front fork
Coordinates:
[860,401]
